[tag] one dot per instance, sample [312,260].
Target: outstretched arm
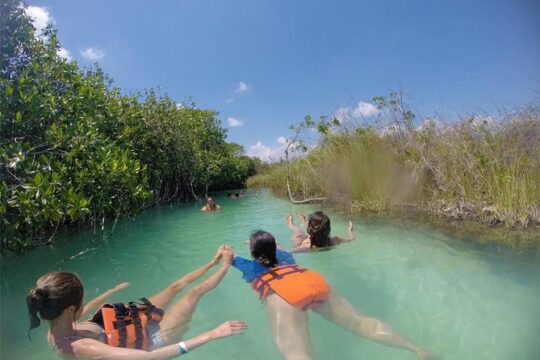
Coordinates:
[100,300]
[90,348]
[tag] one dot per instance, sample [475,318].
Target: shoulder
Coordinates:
[87,347]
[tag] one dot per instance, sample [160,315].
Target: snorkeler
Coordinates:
[210,205]
[318,233]
[125,331]
[289,291]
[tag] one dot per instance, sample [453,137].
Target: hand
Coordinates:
[228,254]
[229,328]
[351,228]
[121,286]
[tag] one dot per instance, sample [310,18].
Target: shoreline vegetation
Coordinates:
[476,176]
[75,150]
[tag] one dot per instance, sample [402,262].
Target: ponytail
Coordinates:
[35,300]
[53,293]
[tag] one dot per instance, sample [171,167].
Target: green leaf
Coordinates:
[38,178]
[8,91]
[18,116]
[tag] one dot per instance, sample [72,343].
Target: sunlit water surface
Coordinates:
[454,298]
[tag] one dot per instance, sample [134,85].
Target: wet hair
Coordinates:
[53,293]
[263,248]
[318,229]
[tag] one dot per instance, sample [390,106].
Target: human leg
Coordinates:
[176,319]
[297,235]
[340,312]
[164,297]
[289,327]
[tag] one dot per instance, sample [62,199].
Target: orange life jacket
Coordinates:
[300,287]
[125,325]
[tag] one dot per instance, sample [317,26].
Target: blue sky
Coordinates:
[266,64]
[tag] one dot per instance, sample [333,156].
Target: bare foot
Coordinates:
[289,219]
[426,355]
[351,228]
[217,257]
[303,219]
[228,254]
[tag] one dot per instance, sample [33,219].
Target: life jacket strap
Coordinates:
[120,313]
[139,336]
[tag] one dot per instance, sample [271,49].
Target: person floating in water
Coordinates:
[210,205]
[125,331]
[318,233]
[290,290]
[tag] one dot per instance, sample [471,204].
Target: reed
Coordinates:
[476,168]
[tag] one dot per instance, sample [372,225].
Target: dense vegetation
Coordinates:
[477,168]
[75,150]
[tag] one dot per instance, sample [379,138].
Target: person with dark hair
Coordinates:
[290,290]
[318,233]
[210,205]
[126,331]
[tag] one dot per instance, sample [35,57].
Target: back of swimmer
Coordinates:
[58,298]
[289,291]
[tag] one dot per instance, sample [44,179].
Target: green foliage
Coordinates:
[75,150]
[476,169]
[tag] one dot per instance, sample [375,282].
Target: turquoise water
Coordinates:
[453,298]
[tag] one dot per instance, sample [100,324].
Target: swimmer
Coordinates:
[122,331]
[289,291]
[210,205]
[318,233]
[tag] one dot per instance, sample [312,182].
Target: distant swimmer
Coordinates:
[290,290]
[210,205]
[318,233]
[148,330]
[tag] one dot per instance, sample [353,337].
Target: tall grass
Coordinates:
[477,169]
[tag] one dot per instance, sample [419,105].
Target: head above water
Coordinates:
[319,229]
[263,248]
[53,294]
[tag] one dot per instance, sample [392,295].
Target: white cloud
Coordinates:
[235,122]
[228,101]
[263,152]
[343,114]
[93,53]
[364,109]
[65,54]
[281,141]
[40,18]
[242,87]
[267,153]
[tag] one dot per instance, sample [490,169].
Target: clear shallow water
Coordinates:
[453,298]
